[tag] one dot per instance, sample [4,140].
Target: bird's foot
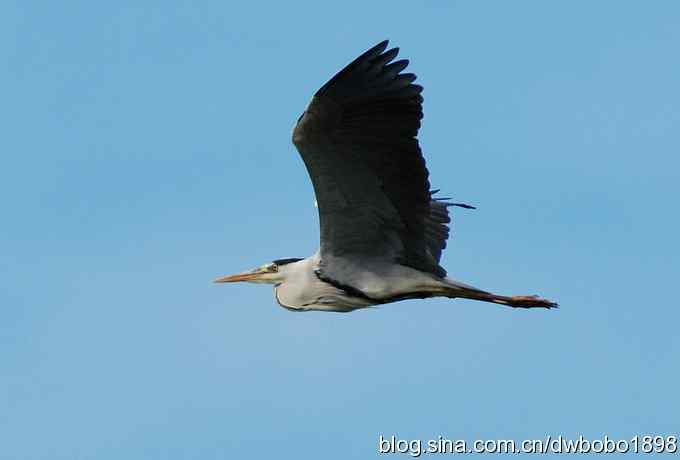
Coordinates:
[530,301]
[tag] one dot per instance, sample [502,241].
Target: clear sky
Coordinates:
[146,150]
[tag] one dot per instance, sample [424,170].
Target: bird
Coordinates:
[382,229]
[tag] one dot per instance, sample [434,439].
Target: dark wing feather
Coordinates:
[357,138]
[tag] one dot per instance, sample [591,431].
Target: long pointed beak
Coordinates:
[247,276]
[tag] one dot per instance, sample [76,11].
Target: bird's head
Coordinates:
[271,273]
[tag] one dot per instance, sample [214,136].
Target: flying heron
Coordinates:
[382,229]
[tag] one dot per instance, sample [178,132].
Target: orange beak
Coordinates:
[247,276]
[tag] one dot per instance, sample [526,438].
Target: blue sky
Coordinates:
[146,150]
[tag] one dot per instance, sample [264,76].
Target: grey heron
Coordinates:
[382,230]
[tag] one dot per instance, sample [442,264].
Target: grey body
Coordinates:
[373,282]
[382,231]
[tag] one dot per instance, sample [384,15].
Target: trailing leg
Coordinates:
[519,301]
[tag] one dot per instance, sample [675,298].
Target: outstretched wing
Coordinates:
[357,138]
